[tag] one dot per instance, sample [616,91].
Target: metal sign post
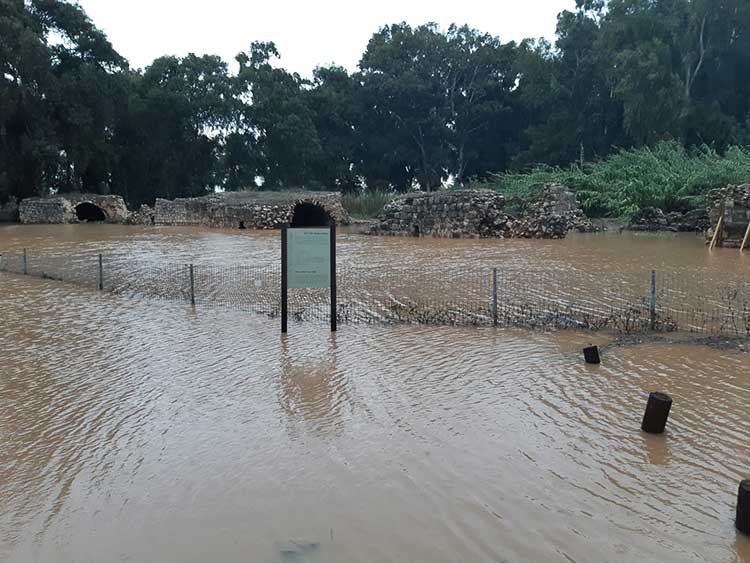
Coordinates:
[308,261]
[284,279]
[333,278]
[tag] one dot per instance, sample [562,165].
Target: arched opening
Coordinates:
[311,215]
[87,212]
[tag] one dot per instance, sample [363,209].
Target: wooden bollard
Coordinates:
[657,413]
[743,508]
[591,355]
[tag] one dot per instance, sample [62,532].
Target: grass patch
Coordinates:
[366,205]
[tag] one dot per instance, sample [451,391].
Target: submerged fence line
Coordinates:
[701,302]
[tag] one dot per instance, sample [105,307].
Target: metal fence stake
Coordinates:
[25,263]
[192,285]
[101,273]
[653,299]
[494,296]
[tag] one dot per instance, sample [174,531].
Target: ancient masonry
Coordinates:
[459,214]
[73,208]
[733,202]
[553,215]
[253,210]
[654,219]
[481,214]
[237,210]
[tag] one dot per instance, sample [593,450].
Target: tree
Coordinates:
[83,94]
[332,101]
[171,132]
[664,54]
[568,94]
[27,135]
[404,90]
[440,98]
[278,119]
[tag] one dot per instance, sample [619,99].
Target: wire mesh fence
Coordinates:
[699,302]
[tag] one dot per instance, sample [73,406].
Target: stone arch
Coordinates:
[87,212]
[308,214]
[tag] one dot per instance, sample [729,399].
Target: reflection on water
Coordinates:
[141,430]
[657,449]
[313,391]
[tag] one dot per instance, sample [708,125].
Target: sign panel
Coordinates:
[309,258]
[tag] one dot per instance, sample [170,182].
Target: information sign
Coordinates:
[309,258]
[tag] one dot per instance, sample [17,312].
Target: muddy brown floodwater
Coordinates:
[134,429]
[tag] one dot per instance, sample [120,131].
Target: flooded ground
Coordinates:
[609,252]
[142,430]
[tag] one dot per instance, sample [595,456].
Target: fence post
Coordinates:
[25,263]
[101,273]
[653,299]
[192,285]
[494,296]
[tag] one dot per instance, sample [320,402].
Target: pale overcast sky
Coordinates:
[307,33]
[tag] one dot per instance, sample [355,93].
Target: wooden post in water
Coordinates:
[657,413]
[742,523]
[101,273]
[653,300]
[192,285]
[591,355]
[494,296]
[25,263]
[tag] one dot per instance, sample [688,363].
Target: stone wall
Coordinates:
[249,210]
[481,214]
[53,210]
[144,216]
[62,209]
[555,213]
[455,214]
[734,202]
[654,219]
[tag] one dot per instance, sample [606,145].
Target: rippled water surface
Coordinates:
[141,430]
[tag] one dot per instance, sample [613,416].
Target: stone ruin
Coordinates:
[253,210]
[734,203]
[481,214]
[235,210]
[144,216]
[73,208]
[654,219]
[456,214]
[555,213]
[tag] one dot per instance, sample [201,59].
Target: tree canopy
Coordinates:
[426,106]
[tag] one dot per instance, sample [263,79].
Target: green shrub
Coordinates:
[666,176]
